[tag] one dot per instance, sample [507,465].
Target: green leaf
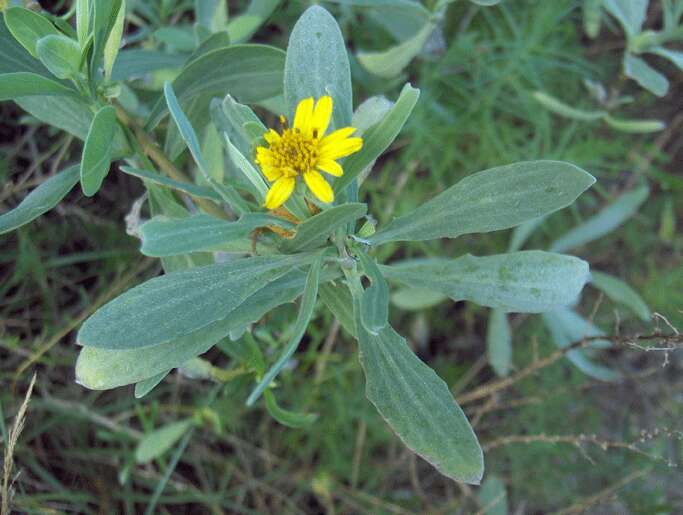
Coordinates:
[28,27]
[82,20]
[177,304]
[567,327]
[286,417]
[337,298]
[416,299]
[303,318]
[258,185]
[523,232]
[14,57]
[378,137]
[97,150]
[136,63]
[675,56]
[185,187]
[558,107]
[228,193]
[147,385]
[105,14]
[418,406]
[498,198]
[493,497]
[60,54]
[22,84]
[163,236]
[630,13]
[101,369]
[499,342]
[645,75]
[592,17]
[154,444]
[390,63]
[314,231]
[241,28]
[111,47]
[621,293]
[236,121]
[374,302]
[40,200]
[250,73]
[635,126]
[317,65]
[530,281]
[611,217]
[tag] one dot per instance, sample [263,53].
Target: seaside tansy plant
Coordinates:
[281,222]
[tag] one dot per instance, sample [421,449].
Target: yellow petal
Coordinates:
[304,114]
[321,116]
[340,149]
[272,173]
[271,137]
[319,186]
[338,135]
[331,167]
[279,192]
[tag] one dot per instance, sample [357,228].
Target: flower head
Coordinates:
[304,150]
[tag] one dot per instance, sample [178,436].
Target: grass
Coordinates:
[76,453]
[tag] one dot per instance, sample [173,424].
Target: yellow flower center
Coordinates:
[295,153]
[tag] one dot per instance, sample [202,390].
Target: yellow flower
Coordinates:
[304,150]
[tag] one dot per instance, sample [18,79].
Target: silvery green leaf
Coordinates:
[499,342]
[82,20]
[415,299]
[105,13]
[337,298]
[60,54]
[317,65]
[390,63]
[242,27]
[313,232]
[308,300]
[228,193]
[567,327]
[418,405]
[370,112]
[400,18]
[630,13]
[530,281]
[185,187]
[238,122]
[40,200]
[675,56]
[111,47]
[523,232]
[14,57]
[136,63]
[102,369]
[164,236]
[255,180]
[621,293]
[28,27]
[26,84]
[97,150]
[611,217]
[645,75]
[168,307]
[145,386]
[374,301]
[635,126]
[154,444]
[378,137]
[250,73]
[558,107]
[493,497]
[211,14]
[498,198]
[592,17]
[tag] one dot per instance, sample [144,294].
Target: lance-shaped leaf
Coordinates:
[14,57]
[60,54]
[630,13]
[498,198]
[621,293]
[250,73]
[303,318]
[645,75]
[529,281]
[157,442]
[178,304]
[186,187]
[27,84]
[559,107]
[317,64]
[40,200]
[285,417]
[418,405]
[28,27]
[145,386]
[378,137]
[164,236]
[242,27]
[611,217]
[101,369]
[314,231]
[97,150]
[499,342]
[374,302]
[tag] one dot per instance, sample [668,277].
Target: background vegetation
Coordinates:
[556,440]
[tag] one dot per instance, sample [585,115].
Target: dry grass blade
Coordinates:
[12,439]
